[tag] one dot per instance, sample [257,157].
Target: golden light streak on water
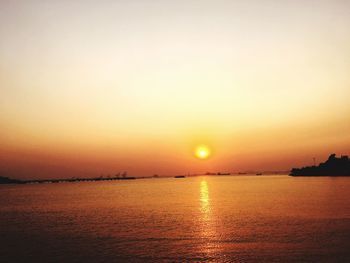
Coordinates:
[207,222]
[204,199]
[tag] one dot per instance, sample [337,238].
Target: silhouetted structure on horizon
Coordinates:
[124,176]
[6,180]
[332,167]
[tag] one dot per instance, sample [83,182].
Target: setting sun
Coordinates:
[202,152]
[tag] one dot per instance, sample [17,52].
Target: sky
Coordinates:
[98,87]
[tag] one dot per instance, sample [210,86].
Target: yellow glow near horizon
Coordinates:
[202,152]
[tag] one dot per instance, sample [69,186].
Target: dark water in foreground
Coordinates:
[214,219]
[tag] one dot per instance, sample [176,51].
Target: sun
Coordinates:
[202,152]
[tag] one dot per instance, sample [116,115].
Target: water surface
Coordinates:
[214,219]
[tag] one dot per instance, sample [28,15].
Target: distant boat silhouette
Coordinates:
[179,176]
[258,173]
[332,167]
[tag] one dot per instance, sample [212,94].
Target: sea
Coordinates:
[193,219]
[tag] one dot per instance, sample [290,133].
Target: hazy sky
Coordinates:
[90,87]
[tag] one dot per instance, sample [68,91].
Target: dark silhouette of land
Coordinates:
[332,167]
[6,180]
[123,176]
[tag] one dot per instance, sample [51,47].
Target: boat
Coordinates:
[179,176]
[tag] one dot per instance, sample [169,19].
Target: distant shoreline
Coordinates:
[9,181]
[77,180]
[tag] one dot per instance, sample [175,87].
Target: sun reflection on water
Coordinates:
[204,198]
[207,223]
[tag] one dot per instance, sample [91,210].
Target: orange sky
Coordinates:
[91,88]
